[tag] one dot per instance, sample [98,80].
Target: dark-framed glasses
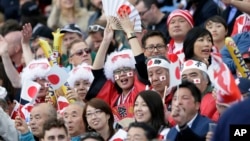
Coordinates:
[81,51]
[124,70]
[159,47]
[95,113]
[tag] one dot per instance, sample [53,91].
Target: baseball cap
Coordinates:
[42,31]
[74,28]
[30,9]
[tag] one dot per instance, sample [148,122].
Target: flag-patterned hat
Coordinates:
[118,59]
[82,71]
[35,69]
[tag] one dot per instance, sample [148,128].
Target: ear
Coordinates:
[197,105]
[153,7]
[18,48]
[70,60]
[226,32]
[108,116]
[166,48]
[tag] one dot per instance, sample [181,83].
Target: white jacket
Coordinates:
[7,127]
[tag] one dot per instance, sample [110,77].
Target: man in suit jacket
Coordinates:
[190,125]
[230,14]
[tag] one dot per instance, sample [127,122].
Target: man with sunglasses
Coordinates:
[96,35]
[152,16]
[79,52]
[71,32]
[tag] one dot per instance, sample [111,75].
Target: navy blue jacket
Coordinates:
[197,132]
[237,114]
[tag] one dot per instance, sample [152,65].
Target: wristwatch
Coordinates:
[132,34]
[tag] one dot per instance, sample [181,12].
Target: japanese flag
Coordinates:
[129,74]
[117,77]
[196,81]
[62,103]
[174,71]
[120,135]
[17,110]
[57,77]
[30,90]
[162,78]
[25,110]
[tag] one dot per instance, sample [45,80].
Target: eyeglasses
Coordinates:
[125,70]
[81,51]
[94,135]
[95,28]
[159,47]
[95,113]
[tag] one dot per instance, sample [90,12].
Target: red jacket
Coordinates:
[208,107]
[110,94]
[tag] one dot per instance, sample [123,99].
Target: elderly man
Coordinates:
[38,117]
[74,121]
[195,71]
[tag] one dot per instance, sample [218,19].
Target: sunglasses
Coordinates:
[95,28]
[81,51]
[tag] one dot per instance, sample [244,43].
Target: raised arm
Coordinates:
[140,59]
[9,68]
[26,35]
[128,28]
[53,18]
[239,4]
[102,51]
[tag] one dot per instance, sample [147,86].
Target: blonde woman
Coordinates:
[66,12]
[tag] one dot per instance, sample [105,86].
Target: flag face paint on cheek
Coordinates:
[197,81]
[162,78]
[117,77]
[130,74]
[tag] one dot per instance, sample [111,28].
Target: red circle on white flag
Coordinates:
[32,91]
[178,73]
[53,79]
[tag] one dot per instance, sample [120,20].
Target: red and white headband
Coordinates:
[158,62]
